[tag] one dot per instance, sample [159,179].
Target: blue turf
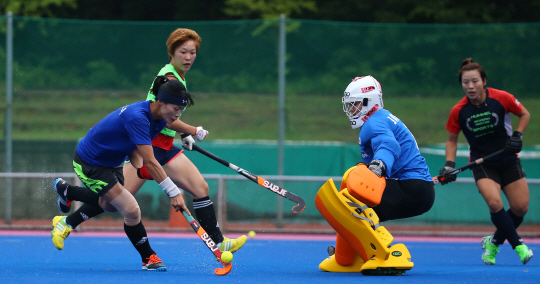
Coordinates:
[114,260]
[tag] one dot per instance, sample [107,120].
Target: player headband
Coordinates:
[168,99]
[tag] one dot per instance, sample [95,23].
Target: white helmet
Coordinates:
[366,90]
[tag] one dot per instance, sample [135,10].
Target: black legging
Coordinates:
[405,199]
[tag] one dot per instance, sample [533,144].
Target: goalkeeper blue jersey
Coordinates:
[384,137]
[111,140]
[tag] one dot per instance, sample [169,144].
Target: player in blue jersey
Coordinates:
[182,48]
[98,160]
[390,152]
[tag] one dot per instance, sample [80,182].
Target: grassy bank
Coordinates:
[69,114]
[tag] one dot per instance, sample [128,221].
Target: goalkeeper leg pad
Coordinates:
[331,265]
[344,258]
[359,226]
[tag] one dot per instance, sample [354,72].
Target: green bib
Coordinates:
[168,68]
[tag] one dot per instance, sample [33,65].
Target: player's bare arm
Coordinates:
[159,175]
[523,121]
[182,127]
[451,146]
[135,159]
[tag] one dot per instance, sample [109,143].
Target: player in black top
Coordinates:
[484,117]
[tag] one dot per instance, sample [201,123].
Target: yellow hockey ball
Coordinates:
[226,256]
[251,234]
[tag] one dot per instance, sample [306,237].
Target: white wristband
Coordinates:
[169,187]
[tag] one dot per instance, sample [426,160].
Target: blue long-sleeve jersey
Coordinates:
[111,140]
[384,137]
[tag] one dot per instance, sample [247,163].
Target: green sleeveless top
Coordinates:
[168,68]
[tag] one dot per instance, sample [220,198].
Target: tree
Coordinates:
[43,8]
[261,9]
[381,11]
[434,11]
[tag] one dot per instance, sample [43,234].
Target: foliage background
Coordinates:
[68,74]
[382,11]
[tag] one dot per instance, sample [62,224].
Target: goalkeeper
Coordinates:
[392,157]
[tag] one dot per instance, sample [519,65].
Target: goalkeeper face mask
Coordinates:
[361,99]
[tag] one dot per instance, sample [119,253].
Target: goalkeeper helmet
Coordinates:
[362,98]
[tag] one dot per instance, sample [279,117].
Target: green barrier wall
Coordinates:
[454,203]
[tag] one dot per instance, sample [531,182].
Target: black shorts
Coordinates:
[504,173]
[98,179]
[405,199]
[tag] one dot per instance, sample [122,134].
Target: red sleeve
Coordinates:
[453,121]
[509,102]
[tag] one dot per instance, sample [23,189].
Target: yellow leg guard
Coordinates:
[359,226]
[398,262]
[330,265]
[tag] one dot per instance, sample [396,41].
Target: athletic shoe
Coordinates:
[60,186]
[233,245]
[154,264]
[60,231]
[525,254]
[490,250]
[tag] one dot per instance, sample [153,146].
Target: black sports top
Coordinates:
[486,126]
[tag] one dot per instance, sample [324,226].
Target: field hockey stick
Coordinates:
[438,179]
[301,205]
[209,243]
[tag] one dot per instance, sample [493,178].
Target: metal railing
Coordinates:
[221,189]
[221,211]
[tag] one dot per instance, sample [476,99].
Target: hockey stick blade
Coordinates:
[301,205]
[209,243]
[456,171]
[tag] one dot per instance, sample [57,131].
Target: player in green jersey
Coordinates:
[182,47]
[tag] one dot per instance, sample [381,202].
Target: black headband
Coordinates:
[168,99]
